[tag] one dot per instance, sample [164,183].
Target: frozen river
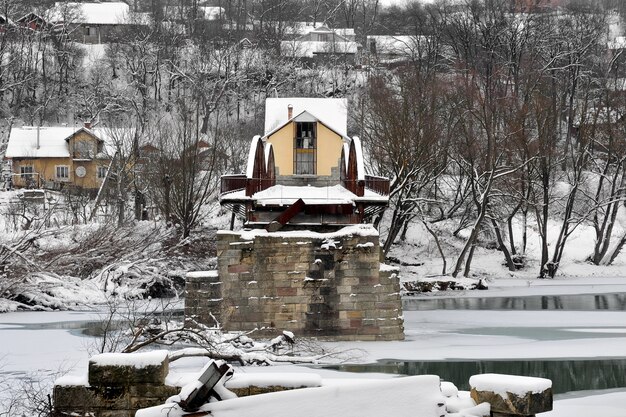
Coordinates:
[579,341]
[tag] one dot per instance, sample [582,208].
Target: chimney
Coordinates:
[38,133]
[289,112]
[87,125]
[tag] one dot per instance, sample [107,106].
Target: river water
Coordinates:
[567,374]
[578,302]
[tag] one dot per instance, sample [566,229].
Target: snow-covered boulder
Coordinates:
[512,395]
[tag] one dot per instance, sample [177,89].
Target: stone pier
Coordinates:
[313,284]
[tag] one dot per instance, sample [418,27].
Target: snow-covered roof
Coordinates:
[308,49]
[110,13]
[301,28]
[52,141]
[30,17]
[286,195]
[322,29]
[212,13]
[345,32]
[333,112]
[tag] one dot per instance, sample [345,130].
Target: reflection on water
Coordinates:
[83,327]
[566,375]
[94,328]
[578,302]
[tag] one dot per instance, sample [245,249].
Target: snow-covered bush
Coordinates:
[64,267]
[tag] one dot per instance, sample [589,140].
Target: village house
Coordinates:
[58,157]
[32,21]
[93,23]
[321,44]
[305,170]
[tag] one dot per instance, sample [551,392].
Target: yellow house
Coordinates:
[57,157]
[307,136]
[305,170]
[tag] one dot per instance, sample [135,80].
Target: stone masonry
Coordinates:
[119,384]
[115,389]
[313,284]
[203,297]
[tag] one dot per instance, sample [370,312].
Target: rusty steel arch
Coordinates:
[255,178]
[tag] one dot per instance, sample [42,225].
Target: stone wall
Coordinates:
[313,284]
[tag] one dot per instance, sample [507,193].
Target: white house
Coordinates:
[93,22]
[321,42]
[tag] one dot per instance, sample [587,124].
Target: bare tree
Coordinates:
[406,141]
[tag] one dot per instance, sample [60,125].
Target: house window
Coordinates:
[101,173]
[62,172]
[325,37]
[83,149]
[26,172]
[90,31]
[305,148]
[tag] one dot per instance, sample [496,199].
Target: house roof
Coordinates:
[52,141]
[325,30]
[308,49]
[212,12]
[301,28]
[92,13]
[31,17]
[333,112]
[305,116]
[285,195]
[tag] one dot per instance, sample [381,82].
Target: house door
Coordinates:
[305,149]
